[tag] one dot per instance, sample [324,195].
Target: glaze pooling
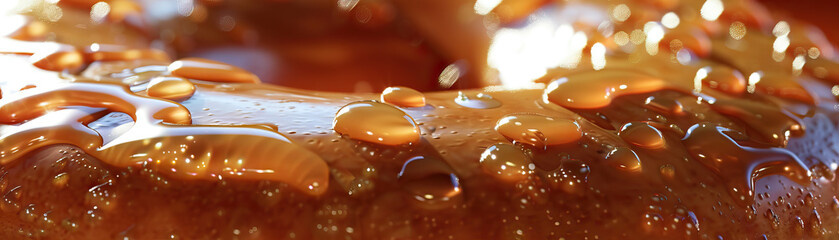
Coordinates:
[107,52]
[597,89]
[538,130]
[160,138]
[208,70]
[740,166]
[677,145]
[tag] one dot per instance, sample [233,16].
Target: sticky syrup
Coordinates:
[172,88]
[403,97]
[597,150]
[538,130]
[208,70]
[376,123]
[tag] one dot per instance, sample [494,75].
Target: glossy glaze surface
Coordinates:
[720,124]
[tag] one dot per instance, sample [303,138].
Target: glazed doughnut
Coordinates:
[374,119]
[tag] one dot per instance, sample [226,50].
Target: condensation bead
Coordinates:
[376,122]
[172,88]
[403,97]
[538,130]
[506,162]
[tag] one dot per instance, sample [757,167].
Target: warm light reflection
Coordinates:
[8,7]
[711,10]
[737,30]
[701,74]
[621,13]
[449,75]
[11,24]
[53,12]
[654,33]
[782,42]
[754,78]
[522,55]
[813,53]
[347,5]
[483,7]
[47,10]
[99,11]
[621,38]
[780,47]
[637,36]
[798,64]
[670,20]
[781,29]
[598,56]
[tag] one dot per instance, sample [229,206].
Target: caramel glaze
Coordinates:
[181,151]
[620,152]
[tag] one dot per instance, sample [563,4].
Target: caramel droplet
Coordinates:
[172,88]
[376,122]
[642,135]
[664,105]
[625,159]
[477,101]
[106,52]
[775,125]
[507,162]
[785,86]
[726,79]
[596,89]
[740,166]
[57,57]
[538,130]
[765,75]
[403,97]
[209,70]
[430,182]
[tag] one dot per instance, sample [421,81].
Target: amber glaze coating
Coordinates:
[725,131]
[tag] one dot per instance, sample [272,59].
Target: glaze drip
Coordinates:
[738,165]
[597,89]
[208,70]
[158,139]
[602,149]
